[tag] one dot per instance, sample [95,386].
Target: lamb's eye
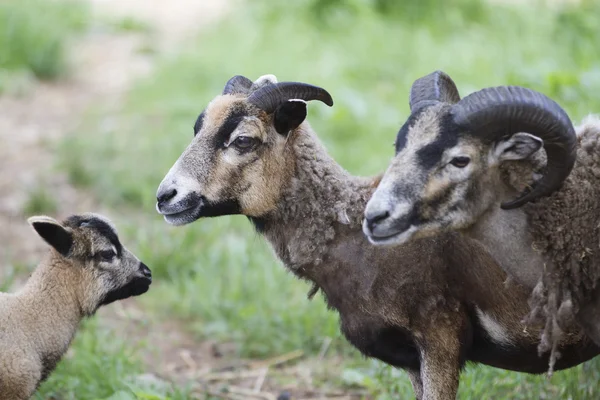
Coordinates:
[460,162]
[106,255]
[244,142]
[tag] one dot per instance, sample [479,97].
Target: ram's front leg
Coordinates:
[417,384]
[442,348]
[440,371]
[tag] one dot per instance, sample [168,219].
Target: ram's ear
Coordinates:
[289,115]
[517,147]
[53,233]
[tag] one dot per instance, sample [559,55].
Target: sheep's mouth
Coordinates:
[184,217]
[202,208]
[395,237]
[182,212]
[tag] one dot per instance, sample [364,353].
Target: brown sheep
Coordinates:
[87,267]
[427,307]
[460,163]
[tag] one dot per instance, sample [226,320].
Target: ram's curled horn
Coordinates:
[431,89]
[270,97]
[500,112]
[237,84]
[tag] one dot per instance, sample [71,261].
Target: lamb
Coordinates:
[86,268]
[460,163]
[427,307]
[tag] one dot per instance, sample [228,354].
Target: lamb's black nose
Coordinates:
[374,219]
[145,271]
[166,195]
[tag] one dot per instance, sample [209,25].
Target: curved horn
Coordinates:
[433,88]
[268,98]
[502,111]
[237,84]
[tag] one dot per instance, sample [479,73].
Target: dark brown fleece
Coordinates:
[565,228]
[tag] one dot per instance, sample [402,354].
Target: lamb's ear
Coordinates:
[518,147]
[289,115]
[53,233]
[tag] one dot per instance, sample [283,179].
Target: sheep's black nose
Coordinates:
[373,220]
[164,196]
[145,270]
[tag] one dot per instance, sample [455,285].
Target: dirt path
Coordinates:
[104,67]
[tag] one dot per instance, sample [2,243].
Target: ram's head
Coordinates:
[446,172]
[237,161]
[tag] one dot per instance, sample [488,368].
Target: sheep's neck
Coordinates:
[320,201]
[506,236]
[51,306]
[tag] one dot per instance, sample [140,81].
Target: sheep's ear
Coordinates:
[289,115]
[518,147]
[53,233]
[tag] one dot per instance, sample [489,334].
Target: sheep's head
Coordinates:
[237,161]
[106,270]
[446,173]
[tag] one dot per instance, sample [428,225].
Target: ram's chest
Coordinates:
[374,338]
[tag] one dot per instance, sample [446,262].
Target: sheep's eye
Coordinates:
[244,142]
[106,255]
[460,162]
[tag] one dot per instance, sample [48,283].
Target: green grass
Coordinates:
[98,365]
[103,365]
[34,35]
[217,274]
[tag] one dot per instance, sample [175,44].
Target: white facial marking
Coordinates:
[496,332]
[181,182]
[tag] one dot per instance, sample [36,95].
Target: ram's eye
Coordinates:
[460,162]
[106,255]
[244,142]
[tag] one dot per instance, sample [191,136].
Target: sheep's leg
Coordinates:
[442,349]
[440,371]
[417,384]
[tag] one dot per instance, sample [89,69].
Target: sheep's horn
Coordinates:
[499,112]
[433,88]
[268,98]
[237,84]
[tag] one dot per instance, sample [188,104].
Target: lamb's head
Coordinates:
[88,243]
[450,155]
[238,160]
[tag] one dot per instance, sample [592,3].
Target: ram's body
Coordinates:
[426,307]
[565,232]
[469,158]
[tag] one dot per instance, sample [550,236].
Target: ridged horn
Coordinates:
[502,111]
[237,84]
[433,88]
[269,97]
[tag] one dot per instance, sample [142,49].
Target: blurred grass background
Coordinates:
[217,275]
[34,36]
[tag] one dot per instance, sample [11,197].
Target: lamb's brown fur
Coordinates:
[428,306]
[38,322]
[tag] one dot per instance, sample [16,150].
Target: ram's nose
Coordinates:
[164,195]
[374,217]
